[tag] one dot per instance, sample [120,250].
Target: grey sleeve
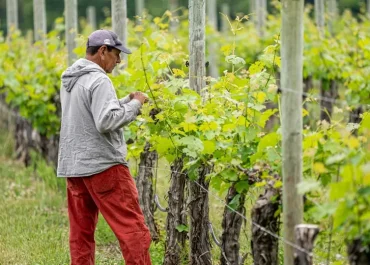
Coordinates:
[108,112]
[124,100]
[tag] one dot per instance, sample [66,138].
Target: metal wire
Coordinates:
[293,245]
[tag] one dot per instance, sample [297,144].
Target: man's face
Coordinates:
[111,59]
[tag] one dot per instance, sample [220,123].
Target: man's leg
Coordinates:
[83,217]
[116,196]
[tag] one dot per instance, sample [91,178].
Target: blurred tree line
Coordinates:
[55,9]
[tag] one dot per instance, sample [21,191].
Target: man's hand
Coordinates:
[139,96]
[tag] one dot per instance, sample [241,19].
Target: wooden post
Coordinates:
[252,7]
[119,23]
[70,9]
[200,247]
[139,7]
[212,20]
[225,9]
[11,15]
[91,17]
[333,8]
[305,235]
[320,14]
[174,5]
[333,13]
[260,16]
[291,79]
[197,44]
[39,19]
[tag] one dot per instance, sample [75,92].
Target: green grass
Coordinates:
[34,222]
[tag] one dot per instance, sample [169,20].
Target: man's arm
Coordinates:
[126,99]
[108,112]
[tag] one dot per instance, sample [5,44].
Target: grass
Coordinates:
[34,222]
[34,226]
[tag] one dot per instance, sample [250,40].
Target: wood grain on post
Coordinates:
[320,13]
[292,79]
[200,247]
[174,23]
[39,19]
[11,15]
[91,17]
[305,235]
[212,20]
[260,16]
[70,9]
[139,7]
[197,14]
[333,13]
[225,10]
[119,23]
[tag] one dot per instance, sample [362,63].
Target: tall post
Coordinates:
[225,10]
[291,86]
[70,9]
[197,14]
[173,6]
[260,16]
[39,19]
[200,248]
[333,13]
[212,20]
[139,7]
[320,14]
[12,15]
[119,22]
[333,7]
[252,7]
[91,17]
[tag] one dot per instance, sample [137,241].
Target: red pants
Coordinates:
[114,194]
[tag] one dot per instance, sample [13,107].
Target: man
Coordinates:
[92,153]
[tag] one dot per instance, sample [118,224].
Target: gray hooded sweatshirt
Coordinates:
[91,136]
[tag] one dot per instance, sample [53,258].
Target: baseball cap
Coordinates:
[106,37]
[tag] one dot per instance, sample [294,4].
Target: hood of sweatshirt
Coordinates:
[79,68]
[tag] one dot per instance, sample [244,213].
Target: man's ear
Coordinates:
[103,49]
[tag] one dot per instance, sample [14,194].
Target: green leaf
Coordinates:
[308,185]
[162,145]
[180,107]
[193,145]
[233,59]
[335,159]
[182,228]
[235,202]
[270,139]
[209,147]
[242,186]
[229,174]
